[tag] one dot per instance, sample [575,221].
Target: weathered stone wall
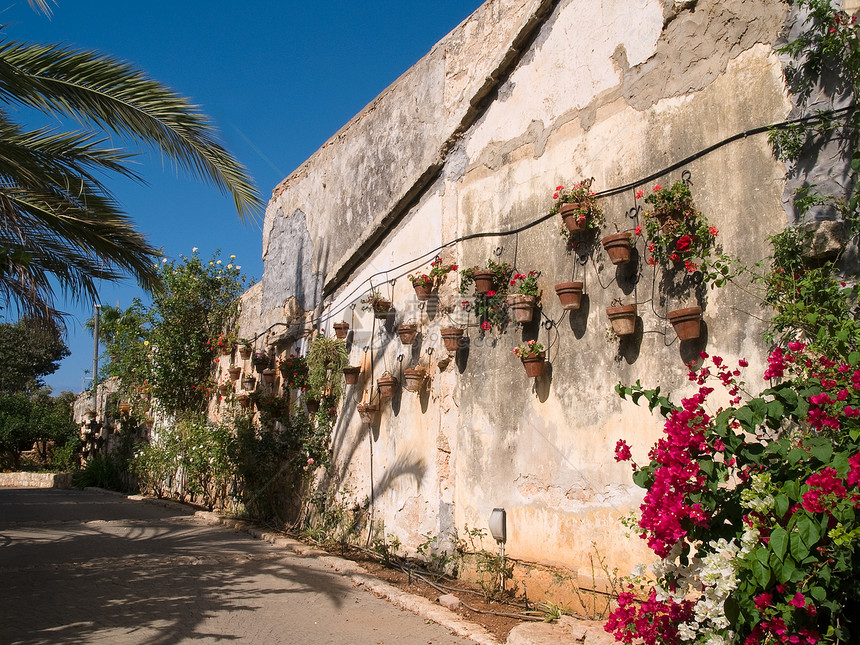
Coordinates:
[35,480]
[521,97]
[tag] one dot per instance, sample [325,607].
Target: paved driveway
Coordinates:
[89,567]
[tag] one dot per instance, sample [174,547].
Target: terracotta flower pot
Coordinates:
[407,333]
[245,352]
[341,329]
[386,384]
[381,309]
[422,291]
[623,319]
[534,365]
[570,294]
[413,378]
[350,374]
[619,247]
[569,214]
[453,338]
[234,372]
[367,411]
[223,389]
[248,383]
[244,400]
[124,408]
[522,307]
[226,349]
[687,322]
[313,405]
[269,375]
[483,281]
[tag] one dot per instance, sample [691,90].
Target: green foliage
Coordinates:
[325,360]
[101,471]
[164,352]
[38,420]
[31,350]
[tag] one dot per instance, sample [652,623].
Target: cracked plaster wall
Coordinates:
[611,89]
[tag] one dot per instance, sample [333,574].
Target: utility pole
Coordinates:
[96,317]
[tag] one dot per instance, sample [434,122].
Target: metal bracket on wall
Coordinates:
[498,251]
[687,177]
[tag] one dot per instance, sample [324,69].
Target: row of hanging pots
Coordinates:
[687,322]
[414,378]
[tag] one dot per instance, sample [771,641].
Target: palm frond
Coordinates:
[100,90]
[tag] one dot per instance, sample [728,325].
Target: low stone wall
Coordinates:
[35,480]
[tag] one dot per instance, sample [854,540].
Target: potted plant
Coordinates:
[244,399]
[312,403]
[245,348]
[350,374]
[533,355]
[453,338]
[269,375]
[248,383]
[341,329]
[407,332]
[569,294]
[413,378]
[260,360]
[622,318]
[379,305]
[294,371]
[223,343]
[687,322]
[522,301]
[386,383]
[422,283]
[619,247]
[325,360]
[125,409]
[234,371]
[367,412]
[493,277]
[223,389]
[579,209]
[678,233]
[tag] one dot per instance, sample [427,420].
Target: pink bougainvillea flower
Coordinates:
[622,451]
[798,601]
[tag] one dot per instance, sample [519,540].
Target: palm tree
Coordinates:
[60,227]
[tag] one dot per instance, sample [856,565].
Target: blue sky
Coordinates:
[278,78]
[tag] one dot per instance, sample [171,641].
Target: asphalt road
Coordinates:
[90,567]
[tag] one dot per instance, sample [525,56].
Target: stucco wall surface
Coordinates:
[617,90]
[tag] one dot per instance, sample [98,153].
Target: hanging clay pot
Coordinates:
[341,329]
[483,281]
[422,291]
[453,338]
[269,375]
[234,372]
[570,295]
[413,378]
[407,333]
[623,319]
[687,322]
[534,365]
[522,307]
[381,309]
[570,213]
[367,412]
[386,384]
[248,383]
[245,351]
[619,247]
[313,405]
[350,374]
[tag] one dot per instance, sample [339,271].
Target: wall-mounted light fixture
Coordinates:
[497,525]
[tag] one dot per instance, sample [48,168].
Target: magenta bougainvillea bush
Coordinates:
[751,508]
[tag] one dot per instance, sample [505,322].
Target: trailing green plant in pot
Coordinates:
[377,303]
[493,277]
[524,297]
[579,209]
[294,371]
[533,356]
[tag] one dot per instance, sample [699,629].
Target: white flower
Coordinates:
[164,260]
[238,267]
[229,266]
[194,250]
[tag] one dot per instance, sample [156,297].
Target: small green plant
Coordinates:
[494,570]
[549,611]
[588,213]
[376,302]
[435,560]
[529,349]
[525,284]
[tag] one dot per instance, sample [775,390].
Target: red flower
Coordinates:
[491,293]
[683,243]
[622,451]
[637,231]
[639,194]
[555,195]
[657,187]
[454,267]
[675,257]
[559,188]
[713,230]
[486,325]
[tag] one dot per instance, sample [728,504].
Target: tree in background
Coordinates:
[59,224]
[30,352]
